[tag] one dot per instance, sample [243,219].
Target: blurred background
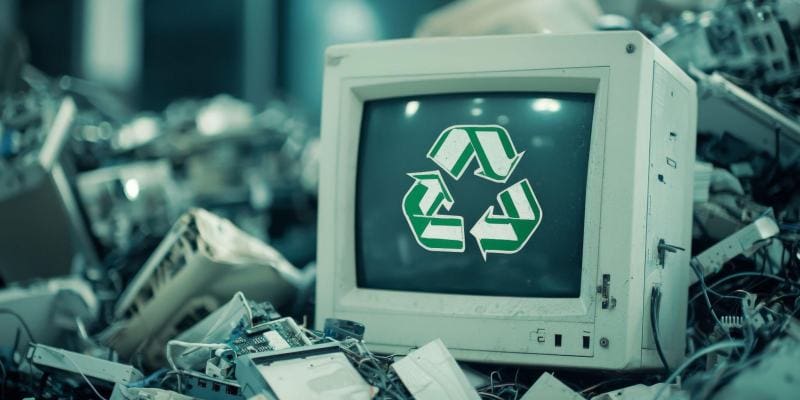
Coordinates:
[153,52]
[120,119]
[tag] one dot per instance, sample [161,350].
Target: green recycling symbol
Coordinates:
[453,151]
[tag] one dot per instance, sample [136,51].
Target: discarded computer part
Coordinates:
[725,108]
[382,266]
[201,263]
[53,310]
[712,221]
[312,372]
[341,329]
[744,241]
[203,386]
[138,132]
[750,39]
[122,201]
[58,361]
[42,244]
[34,131]
[763,319]
[640,391]
[731,322]
[549,387]
[275,335]
[431,373]
[263,312]
[222,364]
[122,392]
[218,327]
[773,376]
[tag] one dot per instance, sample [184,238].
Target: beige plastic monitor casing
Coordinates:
[638,192]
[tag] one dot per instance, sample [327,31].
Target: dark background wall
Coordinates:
[251,49]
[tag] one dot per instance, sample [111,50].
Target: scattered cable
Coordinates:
[742,274]
[21,322]
[173,343]
[704,291]
[31,340]
[246,307]
[696,356]
[655,306]
[78,368]
[589,389]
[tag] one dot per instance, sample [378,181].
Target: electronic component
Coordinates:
[341,329]
[775,376]
[122,201]
[751,39]
[47,128]
[134,393]
[548,387]
[201,263]
[744,241]
[58,360]
[725,108]
[280,334]
[206,387]
[531,195]
[50,309]
[314,372]
[431,373]
[263,312]
[222,364]
[41,243]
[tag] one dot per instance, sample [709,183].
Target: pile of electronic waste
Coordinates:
[149,301]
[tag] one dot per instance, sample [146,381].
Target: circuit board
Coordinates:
[279,334]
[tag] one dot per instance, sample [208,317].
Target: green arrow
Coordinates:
[508,232]
[490,145]
[421,206]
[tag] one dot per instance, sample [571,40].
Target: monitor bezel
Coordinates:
[354,92]
[612,340]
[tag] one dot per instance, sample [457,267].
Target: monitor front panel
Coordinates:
[473,193]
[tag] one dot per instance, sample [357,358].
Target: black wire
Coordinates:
[5,379]
[30,338]
[655,304]
[42,385]
[742,274]
[704,292]
[21,322]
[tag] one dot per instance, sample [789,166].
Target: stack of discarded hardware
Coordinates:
[244,350]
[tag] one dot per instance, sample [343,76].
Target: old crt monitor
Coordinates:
[512,195]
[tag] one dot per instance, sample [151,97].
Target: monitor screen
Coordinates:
[473,193]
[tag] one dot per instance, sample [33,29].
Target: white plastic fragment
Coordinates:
[549,387]
[431,373]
